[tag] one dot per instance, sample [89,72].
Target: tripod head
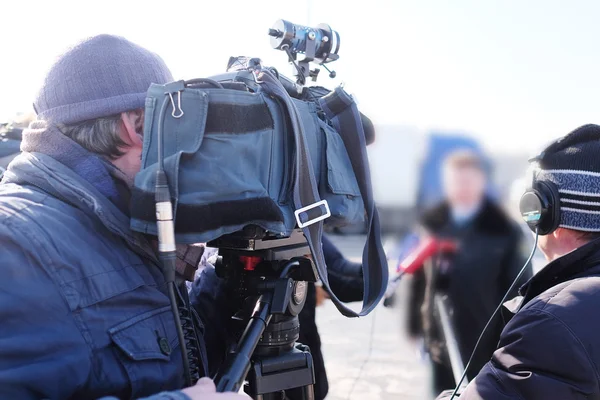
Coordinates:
[269,278]
[254,263]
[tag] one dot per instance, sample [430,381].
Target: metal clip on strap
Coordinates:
[178,105]
[175,87]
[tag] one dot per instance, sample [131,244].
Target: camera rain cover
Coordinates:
[235,158]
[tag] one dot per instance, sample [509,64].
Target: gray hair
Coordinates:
[100,136]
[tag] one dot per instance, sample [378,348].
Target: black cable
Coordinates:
[161,119]
[275,71]
[292,59]
[186,316]
[288,268]
[209,81]
[180,336]
[166,241]
[510,289]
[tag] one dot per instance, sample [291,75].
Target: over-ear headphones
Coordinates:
[540,204]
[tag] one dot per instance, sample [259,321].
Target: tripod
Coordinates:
[270,276]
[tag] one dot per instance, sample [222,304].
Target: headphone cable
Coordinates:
[510,289]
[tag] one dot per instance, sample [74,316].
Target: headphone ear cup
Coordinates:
[533,209]
[540,208]
[551,220]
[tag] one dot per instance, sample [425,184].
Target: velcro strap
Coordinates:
[237,118]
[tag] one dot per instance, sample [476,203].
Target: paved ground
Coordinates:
[390,368]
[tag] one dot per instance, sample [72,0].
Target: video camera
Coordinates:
[254,164]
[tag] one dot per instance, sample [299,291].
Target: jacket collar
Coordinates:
[99,172]
[79,178]
[584,261]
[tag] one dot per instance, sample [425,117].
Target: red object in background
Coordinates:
[428,248]
[250,262]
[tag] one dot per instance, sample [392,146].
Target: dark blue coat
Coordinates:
[550,349]
[490,256]
[82,299]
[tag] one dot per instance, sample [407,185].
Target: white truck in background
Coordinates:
[395,158]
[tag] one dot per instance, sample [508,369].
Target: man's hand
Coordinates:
[205,390]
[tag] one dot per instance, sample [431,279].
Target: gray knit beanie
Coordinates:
[101,76]
[572,163]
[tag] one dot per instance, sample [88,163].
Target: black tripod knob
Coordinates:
[275,33]
[332,74]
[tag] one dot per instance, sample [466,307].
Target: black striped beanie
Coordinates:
[573,164]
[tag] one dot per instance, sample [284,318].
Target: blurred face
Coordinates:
[464,185]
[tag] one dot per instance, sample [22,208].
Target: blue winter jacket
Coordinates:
[83,309]
[550,349]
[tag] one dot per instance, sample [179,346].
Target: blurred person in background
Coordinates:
[488,259]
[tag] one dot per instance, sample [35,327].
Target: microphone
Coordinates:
[415,261]
[428,248]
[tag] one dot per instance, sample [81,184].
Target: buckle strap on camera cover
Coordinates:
[306,196]
[322,217]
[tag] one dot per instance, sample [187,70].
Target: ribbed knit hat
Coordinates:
[101,76]
[572,163]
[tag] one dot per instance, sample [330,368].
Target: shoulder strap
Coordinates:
[341,109]
[307,201]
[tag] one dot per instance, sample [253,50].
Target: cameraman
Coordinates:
[83,300]
[550,348]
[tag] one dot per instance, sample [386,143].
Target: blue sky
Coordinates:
[514,73]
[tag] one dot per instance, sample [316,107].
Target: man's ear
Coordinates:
[133,127]
[558,233]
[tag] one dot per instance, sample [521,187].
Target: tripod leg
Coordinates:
[271,396]
[238,363]
[308,392]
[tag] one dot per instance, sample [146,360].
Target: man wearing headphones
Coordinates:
[550,348]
